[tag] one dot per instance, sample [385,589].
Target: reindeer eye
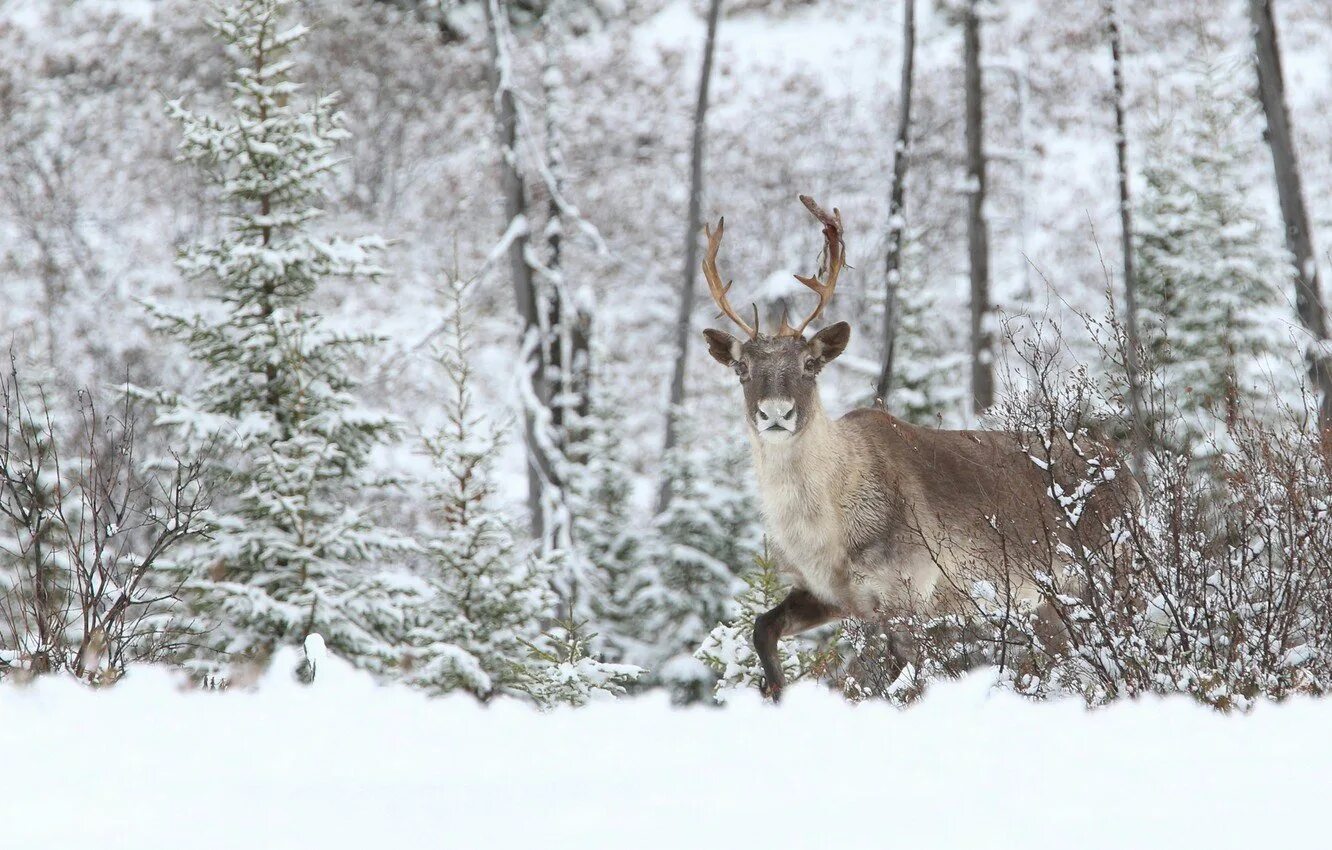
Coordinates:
[811,364]
[742,369]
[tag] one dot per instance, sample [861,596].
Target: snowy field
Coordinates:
[347,764]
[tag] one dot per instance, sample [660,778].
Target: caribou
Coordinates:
[866,513]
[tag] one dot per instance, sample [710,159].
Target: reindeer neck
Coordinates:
[809,462]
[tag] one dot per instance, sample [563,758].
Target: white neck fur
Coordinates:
[798,474]
[801,485]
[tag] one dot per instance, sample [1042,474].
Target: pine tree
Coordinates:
[487,593]
[607,534]
[561,671]
[929,374]
[686,579]
[1211,268]
[293,548]
[729,648]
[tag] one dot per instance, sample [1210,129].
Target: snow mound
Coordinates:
[347,764]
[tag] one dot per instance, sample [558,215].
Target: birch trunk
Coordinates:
[566,325]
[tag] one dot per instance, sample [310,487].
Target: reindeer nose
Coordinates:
[776,413]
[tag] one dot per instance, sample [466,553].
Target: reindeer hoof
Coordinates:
[770,692]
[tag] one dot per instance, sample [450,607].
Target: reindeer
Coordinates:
[867,513]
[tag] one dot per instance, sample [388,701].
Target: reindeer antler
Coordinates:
[833,258]
[715,285]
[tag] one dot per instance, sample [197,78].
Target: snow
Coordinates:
[352,764]
[757,45]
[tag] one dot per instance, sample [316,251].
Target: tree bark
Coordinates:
[1131,330]
[1299,239]
[683,327]
[541,472]
[896,204]
[982,335]
[566,327]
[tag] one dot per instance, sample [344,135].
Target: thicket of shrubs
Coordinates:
[1212,576]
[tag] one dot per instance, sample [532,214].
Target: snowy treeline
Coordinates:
[359,319]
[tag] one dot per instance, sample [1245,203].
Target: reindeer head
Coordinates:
[778,371]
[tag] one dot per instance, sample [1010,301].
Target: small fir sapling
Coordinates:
[729,648]
[560,671]
[487,592]
[686,579]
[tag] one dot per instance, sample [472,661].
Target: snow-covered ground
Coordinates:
[347,764]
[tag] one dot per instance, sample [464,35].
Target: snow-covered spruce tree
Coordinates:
[729,648]
[294,551]
[607,534]
[561,671]
[687,576]
[1211,270]
[488,593]
[929,364]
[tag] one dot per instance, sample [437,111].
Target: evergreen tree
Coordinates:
[1211,270]
[929,374]
[560,670]
[293,548]
[607,533]
[487,594]
[729,648]
[686,579]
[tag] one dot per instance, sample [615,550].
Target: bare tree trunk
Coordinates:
[1299,240]
[896,204]
[577,386]
[683,329]
[982,335]
[541,472]
[554,341]
[566,326]
[568,320]
[1131,334]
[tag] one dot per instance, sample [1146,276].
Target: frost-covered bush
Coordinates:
[1212,580]
[87,539]
[1219,586]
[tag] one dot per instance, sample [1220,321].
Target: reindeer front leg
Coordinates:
[800,611]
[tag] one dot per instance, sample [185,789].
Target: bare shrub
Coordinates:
[85,537]
[1206,573]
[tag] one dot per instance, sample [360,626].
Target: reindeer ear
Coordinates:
[830,342]
[723,347]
